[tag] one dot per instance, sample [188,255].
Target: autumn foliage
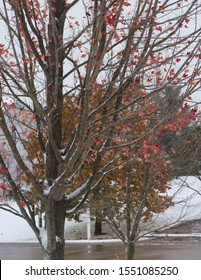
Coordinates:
[83,102]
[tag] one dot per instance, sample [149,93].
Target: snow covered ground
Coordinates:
[187,197]
[186,193]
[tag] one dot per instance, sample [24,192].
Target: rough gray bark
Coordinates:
[55,221]
[130,250]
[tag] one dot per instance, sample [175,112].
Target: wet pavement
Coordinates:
[151,250]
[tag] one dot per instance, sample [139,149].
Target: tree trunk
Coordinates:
[98,226]
[130,250]
[55,221]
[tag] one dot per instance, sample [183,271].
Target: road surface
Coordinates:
[152,250]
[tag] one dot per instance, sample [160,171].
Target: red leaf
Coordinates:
[126,4]
[110,19]
[193,112]
[159,28]
[3,170]
[186,106]
[21,203]
[3,187]
[163,131]
[149,80]
[13,128]
[185,75]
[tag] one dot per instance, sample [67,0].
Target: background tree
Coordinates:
[187,148]
[181,144]
[52,63]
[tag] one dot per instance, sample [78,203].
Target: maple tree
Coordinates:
[75,85]
[134,192]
